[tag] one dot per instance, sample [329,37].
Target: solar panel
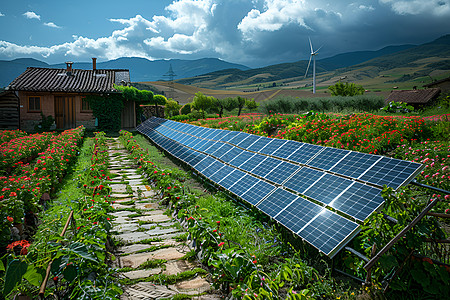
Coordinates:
[329,232]
[298,213]
[287,149]
[257,192]
[242,158]
[333,177]
[282,172]
[222,150]
[391,172]
[231,178]
[221,173]
[252,163]
[272,146]
[328,158]
[249,140]
[231,154]
[243,184]
[326,188]
[238,138]
[259,144]
[264,167]
[358,201]
[303,179]
[355,164]
[204,163]
[305,153]
[276,202]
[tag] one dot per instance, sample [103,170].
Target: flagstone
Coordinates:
[154,218]
[141,273]
[133,248]
[132,237]
[176,267]
[194,286]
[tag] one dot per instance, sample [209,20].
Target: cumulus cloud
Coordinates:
[257,32]
[415,7]
[51,24]
[32,15]
[1,15]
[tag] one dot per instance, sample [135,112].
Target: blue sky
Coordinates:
[251,32]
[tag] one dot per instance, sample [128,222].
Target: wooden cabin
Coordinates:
[61,93]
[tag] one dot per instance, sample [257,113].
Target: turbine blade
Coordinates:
[310,44]
[318,49]
[306,73]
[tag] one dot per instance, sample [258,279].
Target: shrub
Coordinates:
[185,109]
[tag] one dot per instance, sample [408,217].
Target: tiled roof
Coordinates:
[413,96]
[80,81]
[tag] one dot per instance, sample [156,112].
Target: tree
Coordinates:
[347,89]
[185,109]
[202,102]
[241,104]
[159,99]
[251,104]
[172,108]
[221,105]
[230,103]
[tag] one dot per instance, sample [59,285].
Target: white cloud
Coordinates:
[51,24]
[32,15]
[276,14]
[366,8]
[415,7]
[2,15]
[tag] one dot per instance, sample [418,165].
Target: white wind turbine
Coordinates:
[313,56]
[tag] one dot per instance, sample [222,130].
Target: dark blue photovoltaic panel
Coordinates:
[276,202]
[180,152]
[303,179]
[213,168]
[328,231]
[222,150]
[221,173]
[193,141]
[213,148]
[391,172]
[243,184]
[287,149]
[205,163]
[200,144]
[231,155]
[265,167]
[254,161]
[256,193]
[238,138]
[194,157]
[212,134]
[250,139]
[328,158]
[273,146]
[229,180]
[281,172]
[242,158]
[355,164]
[202,147]
[296,215]
[229,136]
[359,201]
[259,144]
[327,188]
[305,153]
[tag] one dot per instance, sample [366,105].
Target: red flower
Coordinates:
[10,219]
[221,244]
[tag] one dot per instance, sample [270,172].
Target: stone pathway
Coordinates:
[148,236]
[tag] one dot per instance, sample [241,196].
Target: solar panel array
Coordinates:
[319,193]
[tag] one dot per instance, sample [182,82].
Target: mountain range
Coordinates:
[216,73]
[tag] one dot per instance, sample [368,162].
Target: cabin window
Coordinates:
[34,104]
[85,105]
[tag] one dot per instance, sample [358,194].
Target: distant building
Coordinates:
[416,98]
[443,84]
[61,93]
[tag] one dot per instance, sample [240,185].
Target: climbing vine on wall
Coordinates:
[108,110]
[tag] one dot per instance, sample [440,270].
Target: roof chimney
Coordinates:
[69,68]
[94,63]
